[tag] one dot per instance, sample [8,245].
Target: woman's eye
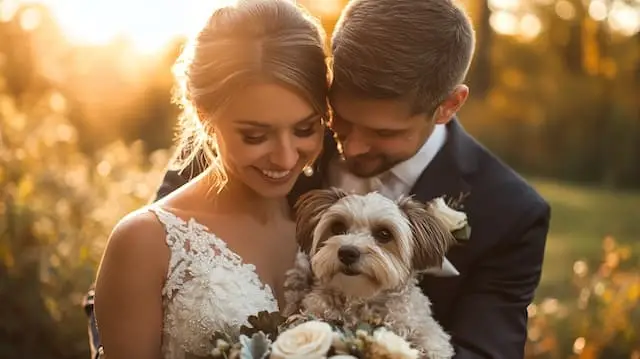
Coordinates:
[253,139]
[306,131]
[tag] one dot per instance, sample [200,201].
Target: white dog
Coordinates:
[360,257]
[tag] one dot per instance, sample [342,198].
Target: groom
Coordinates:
[398,72]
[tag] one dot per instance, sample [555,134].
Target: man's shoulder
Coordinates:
[496,181]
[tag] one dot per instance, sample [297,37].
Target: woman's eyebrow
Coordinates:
[310,117]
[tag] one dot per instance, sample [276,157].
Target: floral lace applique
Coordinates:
[208,288]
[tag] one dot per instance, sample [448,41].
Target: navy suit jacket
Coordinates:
[485,307]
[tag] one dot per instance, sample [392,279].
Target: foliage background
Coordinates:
[86,130]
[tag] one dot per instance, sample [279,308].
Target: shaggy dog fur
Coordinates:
[360,258]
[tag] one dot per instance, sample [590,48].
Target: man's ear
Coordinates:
[451,105]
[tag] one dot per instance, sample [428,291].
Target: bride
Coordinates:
[253,84]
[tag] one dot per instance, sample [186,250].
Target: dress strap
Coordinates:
[173,225]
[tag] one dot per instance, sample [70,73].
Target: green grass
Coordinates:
[582,217]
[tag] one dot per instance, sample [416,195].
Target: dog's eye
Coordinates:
[382,235]
[338,228]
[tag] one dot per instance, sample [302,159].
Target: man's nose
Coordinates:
[285,154]
[354,144]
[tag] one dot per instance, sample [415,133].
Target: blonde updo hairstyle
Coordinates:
[241,44]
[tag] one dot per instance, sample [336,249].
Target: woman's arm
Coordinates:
[128,301]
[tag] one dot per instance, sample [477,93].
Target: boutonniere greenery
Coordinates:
[457,202]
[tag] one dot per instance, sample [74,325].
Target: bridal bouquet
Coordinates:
[271,336]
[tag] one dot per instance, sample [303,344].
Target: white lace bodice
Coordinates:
[208,288]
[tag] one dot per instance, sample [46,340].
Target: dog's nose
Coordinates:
[348,254]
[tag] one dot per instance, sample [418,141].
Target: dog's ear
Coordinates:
[308,209]
[431,237]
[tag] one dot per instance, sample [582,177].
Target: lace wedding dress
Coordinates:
[208,288]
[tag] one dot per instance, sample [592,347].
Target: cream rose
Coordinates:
[454,220]
[308,340]
[387,344]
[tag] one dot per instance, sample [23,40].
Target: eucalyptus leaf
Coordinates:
[365,326]
[256,347]
[266,322]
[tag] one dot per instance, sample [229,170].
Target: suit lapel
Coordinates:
[445,175]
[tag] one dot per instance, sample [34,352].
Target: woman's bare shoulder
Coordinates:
[129,285]
[141,225]
[138,236]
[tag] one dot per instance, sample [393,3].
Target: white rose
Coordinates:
[308,340]
[454,220]
[388,344]
[343,356]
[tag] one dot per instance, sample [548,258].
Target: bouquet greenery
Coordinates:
[271,336]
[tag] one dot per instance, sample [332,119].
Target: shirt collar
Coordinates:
[409,170]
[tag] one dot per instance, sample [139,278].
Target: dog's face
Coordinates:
[362,244]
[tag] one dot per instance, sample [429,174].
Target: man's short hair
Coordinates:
[417,50]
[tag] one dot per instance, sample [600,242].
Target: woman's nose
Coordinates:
[285,154]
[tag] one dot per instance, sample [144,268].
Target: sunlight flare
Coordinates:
[624,18]
[598,10]
[497,5]
[149,26]
[530,26]
[565,10]
[504,23]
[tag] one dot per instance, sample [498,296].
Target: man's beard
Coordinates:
[367,165]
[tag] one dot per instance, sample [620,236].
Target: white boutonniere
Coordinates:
[449,211]
[452,214]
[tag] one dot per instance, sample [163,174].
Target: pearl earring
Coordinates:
[308,171]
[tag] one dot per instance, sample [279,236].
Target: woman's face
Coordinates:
[266,136]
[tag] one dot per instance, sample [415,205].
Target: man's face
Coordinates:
[374,135]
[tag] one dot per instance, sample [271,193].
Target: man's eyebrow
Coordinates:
[313,116]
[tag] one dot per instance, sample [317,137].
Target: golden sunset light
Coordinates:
[148,25]
[516,18]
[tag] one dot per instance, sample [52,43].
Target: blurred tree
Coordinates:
[480,72]
[57,206]
[56,209]
[574,49]
[153,116]
[564,103]
[21,74]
